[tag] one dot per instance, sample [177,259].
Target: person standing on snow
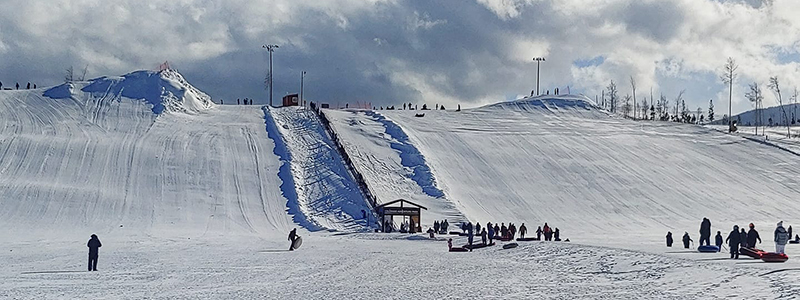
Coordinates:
[444,227]
[477,227]
[705,232]
[752,236]
[548,233]
[522,230]
[503,230]
[496,230]
[686,239]
[733,240]
[491,233]
[743,239]
[669,238]
[470,237]
[94,247]
[781,238]
[557,235]
[292,237]
[483,236]
[718,240]
[789,230]
[436,226]
[539,233]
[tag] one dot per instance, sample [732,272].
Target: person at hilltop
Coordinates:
[292,237]
[522,230]
[17,85]
[503,230]
[94,247]
[29,86]
[1,85]
[789,230]
[512,230]
[669,239]
[686,239]
[483,236]
[705,232]
[718,240]
[539,233]
[496,230]
[781,238]
[752,236]
[556,235]
[733,240]
[477,227]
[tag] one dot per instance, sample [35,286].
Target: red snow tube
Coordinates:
[774,257]
[458,249]
[752,252]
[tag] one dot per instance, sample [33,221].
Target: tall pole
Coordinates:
[270,49]
[730,103]
[538,60]
[302,75]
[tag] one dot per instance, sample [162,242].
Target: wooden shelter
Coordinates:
[400,207]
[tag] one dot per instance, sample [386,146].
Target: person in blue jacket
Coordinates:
[94,247]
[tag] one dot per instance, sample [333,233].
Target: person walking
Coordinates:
[292,237]
[752,237]
[94,247]
[470,236]
[539,233]
[669,239]
[743,239]
[718,240]
[705,232]
[781,238]
[522,230]
[733,240]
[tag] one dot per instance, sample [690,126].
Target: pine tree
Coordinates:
[711,110]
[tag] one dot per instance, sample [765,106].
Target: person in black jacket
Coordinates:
[94,245]
[705,232]
[718,240]
[292,237]
[686,240]
[669,239]
[734,238]
[752,236]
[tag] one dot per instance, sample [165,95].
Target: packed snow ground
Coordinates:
[194,200]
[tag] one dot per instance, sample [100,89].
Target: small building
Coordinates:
[409,211]
[291,100]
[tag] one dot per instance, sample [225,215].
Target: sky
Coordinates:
[387,52]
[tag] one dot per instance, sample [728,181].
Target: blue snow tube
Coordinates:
[708,249]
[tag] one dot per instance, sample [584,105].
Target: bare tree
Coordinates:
[83,77]
[633,87]
[754,95]
[776,88]
[728,77]
[644,108]
[678,102]
[70,75]
[613,97]
[626,106]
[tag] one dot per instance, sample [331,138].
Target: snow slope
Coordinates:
[321,192]
[141,154]
[749,118]
[600,179]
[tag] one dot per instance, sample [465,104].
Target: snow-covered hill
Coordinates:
[750,117]
[600,179]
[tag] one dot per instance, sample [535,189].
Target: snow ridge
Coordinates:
[410,156]
[165,90]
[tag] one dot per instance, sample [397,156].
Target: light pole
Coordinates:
[270,49]
[538,61]
[302,75]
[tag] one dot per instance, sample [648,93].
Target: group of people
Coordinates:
[737,238]
[491,232]
[440,227]
[247,101]
[17,86]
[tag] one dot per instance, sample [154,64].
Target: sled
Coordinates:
[708,249]
[419,115]
[528,239]
[794,242]
[510,245]
[774,257]
[752,252]
[477,246]
[458,249]
[297,242]
[454,232]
